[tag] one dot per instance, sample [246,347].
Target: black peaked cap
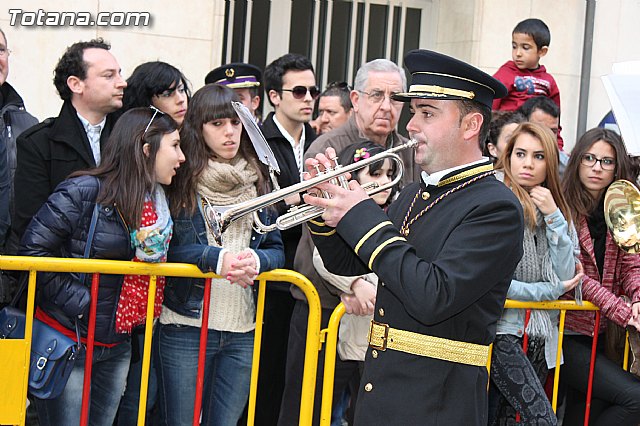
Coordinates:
[438,76]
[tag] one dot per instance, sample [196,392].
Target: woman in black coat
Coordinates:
[125,196]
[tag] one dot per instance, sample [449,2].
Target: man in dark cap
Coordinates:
[444,252]
[243,78]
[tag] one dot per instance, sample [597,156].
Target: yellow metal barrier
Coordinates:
[563,306]
[331,342]
[331,337]
[14,367]
[14,353]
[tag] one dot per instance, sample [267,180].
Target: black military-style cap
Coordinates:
[235,75]
[438,76]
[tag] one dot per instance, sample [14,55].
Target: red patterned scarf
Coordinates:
[132,306]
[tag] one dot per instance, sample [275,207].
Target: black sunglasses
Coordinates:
[299,92]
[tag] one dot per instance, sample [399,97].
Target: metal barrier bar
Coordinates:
[15,354]
[625,359]
[331,344]
[592,364]
[556,374]
[98,266]
[202,352]
[146,354]
[253,387]
[312,346]
[88,360]
[331,333]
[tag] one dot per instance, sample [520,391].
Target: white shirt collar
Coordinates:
[87,125]
[434,178]
[297,151]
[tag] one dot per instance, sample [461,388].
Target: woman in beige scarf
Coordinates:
[222,169]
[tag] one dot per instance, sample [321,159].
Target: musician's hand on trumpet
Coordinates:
[341,199]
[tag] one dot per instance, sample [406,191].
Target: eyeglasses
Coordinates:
[156,111]
[299,92]
[4,52]
[377,96]
[342,85]
[607,163]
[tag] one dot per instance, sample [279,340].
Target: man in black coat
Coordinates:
[290,85]
[444,253]
[89,82]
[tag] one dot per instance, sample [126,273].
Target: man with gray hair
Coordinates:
[375,117]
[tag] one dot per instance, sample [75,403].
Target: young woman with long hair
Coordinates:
[598,158]
[163,86]
[529,164]
[133,222]
[222,169]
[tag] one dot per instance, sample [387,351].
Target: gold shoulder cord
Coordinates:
[406,224]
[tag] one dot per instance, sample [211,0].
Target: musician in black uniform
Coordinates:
[445,252]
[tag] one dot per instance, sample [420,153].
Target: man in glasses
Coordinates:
[334,107]
[290,87]
[14,119]
[89,82]
[244,79]
[375,117]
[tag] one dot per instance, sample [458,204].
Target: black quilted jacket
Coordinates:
[60,229]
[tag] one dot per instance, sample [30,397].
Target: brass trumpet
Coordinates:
[220,217]
[622,214]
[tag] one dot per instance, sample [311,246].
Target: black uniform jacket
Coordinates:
[447,278]
[47,154]
[289,175]
[339,139]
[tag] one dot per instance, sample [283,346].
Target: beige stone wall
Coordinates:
[188,34]
[480,31]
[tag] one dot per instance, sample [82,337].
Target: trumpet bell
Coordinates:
[622,214]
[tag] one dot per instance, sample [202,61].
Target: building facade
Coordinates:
[337,35]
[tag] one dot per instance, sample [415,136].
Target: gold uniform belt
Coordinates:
[383,337]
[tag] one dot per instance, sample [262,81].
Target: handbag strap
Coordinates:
[92,231]
[87,252]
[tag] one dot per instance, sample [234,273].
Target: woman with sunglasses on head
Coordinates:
[164,87]
[125,196]
[160,85]
[598,158]
[548,268]
[223,169]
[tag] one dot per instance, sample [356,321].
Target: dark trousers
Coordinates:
[273,354]
[344,371]
[128,410]
[616,393]
[516,380]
